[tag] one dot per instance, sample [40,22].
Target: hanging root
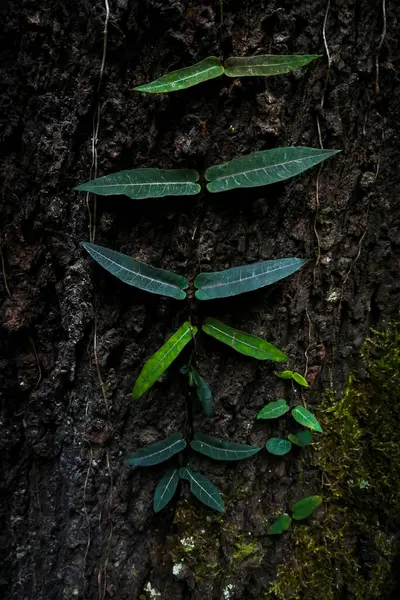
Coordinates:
[379,48]
[3,269]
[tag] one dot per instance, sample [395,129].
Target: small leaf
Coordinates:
[137,273]
[306,418]
[203,489]
[161,360]
[145,183]
[184,78]
[266,65]
[300,379]
[203,392]
[278,446]
[264,168]
[305,507]
[301,438]
[165,489]
[284,374]
[221,449]
[158,452]
[242,342]
[246,278]
[281,524]
[273,410]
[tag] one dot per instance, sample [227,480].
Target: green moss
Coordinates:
[350,554]
[243,550]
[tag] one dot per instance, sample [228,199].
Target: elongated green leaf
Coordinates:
[161,360]
[246,278]
[273,410]
[158,452]
[305,507]
[306,418]
[264,168]
[301,438]
[203,489]
[266,65]
[281,524]
[203,392]
[221,449]
[242,342]
[299,379]
[209,68]
[137,273]
[278,446]
[165,489]
[284,374]
[145,183]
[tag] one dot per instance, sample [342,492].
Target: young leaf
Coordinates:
[221,449]
[264,168]
[137,273]
[165,489]
[284,374]
[281,524]
[184,78]
[278,446]
[273,410]
[203,489]
[161,360]
[301,438]
[158,452]
[306,418]
[300,379]
[145,183]
[242,342]
[266,65]
[203,392]
[305,507]
[246,278]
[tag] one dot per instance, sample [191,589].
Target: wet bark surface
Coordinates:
[76,521]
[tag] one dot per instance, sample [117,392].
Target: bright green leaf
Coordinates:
[266,64]
[300,379]
[165,489]
[209,68]
[281,524]
[278,446]
[203,489]
[273,410]
[305,507]
[161,360]
[137,273]
[246,278]
[306,418]
[145,183]
[203,392]
[158,452]
[284,374]
[242,342]
[221,449]
[264,168]
[301,438]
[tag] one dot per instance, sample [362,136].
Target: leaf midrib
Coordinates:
[143,457]
[167,353]
[233,337]
[201,487]
[167,485]
[223,449]
[185,78]
[227,283]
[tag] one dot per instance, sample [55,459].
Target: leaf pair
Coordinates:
[210,68]
[204,394]
[299,379]
[200,486]
[301,510]
[277,408]
[255,169]
[281,446]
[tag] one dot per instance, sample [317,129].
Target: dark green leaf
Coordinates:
[305,507]
[165,489]
[278,446]
[242,342]
[301,438]
[145,183]
[137,273]
[266,65]
[273,410]
[284,374]
[281,524]
[203,489]
[161,360]
[221,449]
[300,379]
[246,278]
[203,392]
[306,418]
[264,168]
[184,78]
[158,452]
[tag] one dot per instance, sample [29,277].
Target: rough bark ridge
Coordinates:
[76,522]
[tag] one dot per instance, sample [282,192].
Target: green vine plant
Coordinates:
[300,510]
